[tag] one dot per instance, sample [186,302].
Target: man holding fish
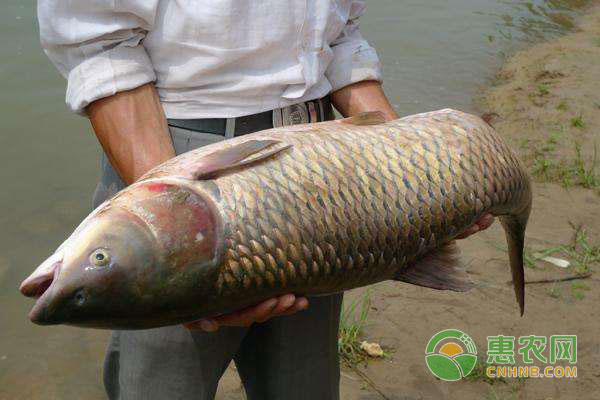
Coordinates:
[157,78]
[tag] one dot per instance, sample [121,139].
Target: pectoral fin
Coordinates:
[439,269]
[236,156]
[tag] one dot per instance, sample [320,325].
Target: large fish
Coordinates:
[307,209]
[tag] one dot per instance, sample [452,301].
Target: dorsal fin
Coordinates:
[235,156]
[365,118]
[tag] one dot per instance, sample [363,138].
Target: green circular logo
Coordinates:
[451,355]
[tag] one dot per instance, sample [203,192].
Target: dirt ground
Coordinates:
[546,99]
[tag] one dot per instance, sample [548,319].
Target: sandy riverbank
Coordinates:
[547,99]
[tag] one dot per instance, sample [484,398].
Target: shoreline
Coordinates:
[545,100]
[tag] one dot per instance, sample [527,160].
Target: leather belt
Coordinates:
[311,111]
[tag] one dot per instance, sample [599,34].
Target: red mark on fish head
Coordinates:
[156,187]
[183,220]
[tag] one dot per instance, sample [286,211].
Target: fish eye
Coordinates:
[100,257]
[79,297]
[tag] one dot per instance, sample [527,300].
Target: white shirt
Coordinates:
[211,58]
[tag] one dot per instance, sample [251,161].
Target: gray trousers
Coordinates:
[290,357]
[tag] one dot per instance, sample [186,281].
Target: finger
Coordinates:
[486,221]
[206,325]
[470,230]
[284,302]
[248,316]
[483,223]
[264,309]
[238,318]
[267,312]
[297,304]
[300,304]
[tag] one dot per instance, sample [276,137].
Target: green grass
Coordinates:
[597,41]
[585,174]
[524,143]
[554,137]
[583,253]
[352,323]
[511,394]
[574,172]
[544,168]
[579,285]
[554,291]
[479,372]
[578,290]
[578,295]
[562,106]
[528,258]
[580,252]
[543,89]
[577,122]
[550,144]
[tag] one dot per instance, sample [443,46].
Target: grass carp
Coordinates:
[307,209]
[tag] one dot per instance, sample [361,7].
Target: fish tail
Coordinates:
[514,225]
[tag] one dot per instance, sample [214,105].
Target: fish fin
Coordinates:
[438,269]
[514,227]
[365,118]
[235,156]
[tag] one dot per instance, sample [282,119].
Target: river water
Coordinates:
[436,53]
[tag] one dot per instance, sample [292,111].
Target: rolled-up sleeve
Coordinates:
[96,45]
[354,59]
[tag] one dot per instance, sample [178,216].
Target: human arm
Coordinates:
[355,71]
[362,97]
[132,129]
[97,48]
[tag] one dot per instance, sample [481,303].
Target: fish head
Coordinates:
[95,273]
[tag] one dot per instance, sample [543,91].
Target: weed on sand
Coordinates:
[352,323]
[582,254]
[479,372]
[574,172]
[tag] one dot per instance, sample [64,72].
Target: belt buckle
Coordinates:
[295,114]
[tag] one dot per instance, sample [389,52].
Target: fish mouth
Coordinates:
[39,285]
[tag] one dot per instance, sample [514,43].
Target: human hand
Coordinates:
[363,96]
[274,307]
[483,223]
